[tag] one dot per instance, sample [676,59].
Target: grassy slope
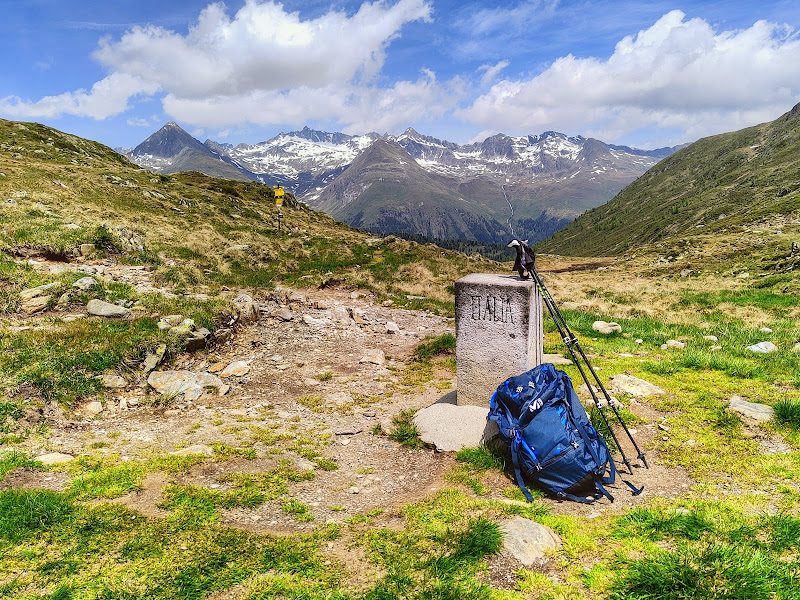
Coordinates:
[734,533]
[201,235]
[714,185]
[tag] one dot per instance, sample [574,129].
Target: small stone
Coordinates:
[43,290]
[114,381]
[87,249]
[374,356]
[556,359]
[237,368]
[353,489]
[527,540]
[314,322]
[392,327]
[763,348]
[711,338]
[674,344]
[85,283]
[284,314]
[247,308]
[606,328]
[101,308]
[201,449]
[54,458]
[634,386]
[153,359]
[93,408]
[751,410]
[765,330]
[34,305]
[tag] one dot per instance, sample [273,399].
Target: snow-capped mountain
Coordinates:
[522,180]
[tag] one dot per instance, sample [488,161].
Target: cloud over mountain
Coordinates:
[677,74]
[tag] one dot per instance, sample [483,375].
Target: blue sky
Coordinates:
[645,74]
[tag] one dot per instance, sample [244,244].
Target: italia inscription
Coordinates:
[491,308]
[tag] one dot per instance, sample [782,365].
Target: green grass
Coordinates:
[787,412]
[713,552]
[404,430]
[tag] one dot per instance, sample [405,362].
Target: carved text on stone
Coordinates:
[491,308]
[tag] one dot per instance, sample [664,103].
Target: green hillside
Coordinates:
[307,477]
[715,185]
[202,240]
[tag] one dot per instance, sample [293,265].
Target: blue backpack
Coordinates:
[552,442]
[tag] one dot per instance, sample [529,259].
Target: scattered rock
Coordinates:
[47,289]
[246,308]
[711,338]
[765,330]
[763,347]
[606,328]
[101,308]
[93,408]
[191,385]
[284,315]
[114,381]
[201,449]
[634,386]
[527,540]
[674,344]
[85,283]
[751,410]
[55,458]
[392,327]
[153,359]
[34,305]
[374,356]
[238,368]
[86,249]
[314,322]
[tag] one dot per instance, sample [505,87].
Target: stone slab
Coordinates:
[451,427]
[498,333]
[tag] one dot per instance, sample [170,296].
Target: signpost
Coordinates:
[279,203]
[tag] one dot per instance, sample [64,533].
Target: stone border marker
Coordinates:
[498,333]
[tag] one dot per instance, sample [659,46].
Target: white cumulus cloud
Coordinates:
[108,97]
[678,74]
[263,65]
[261,48]
[357,108]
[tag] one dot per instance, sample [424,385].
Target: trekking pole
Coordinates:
[572,344]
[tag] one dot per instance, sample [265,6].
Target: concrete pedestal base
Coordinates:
[498,333]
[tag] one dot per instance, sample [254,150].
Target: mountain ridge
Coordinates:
[522,181]
[718,182]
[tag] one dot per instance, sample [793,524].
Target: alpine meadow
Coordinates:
[207,396]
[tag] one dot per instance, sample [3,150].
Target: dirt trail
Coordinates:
[319,383]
